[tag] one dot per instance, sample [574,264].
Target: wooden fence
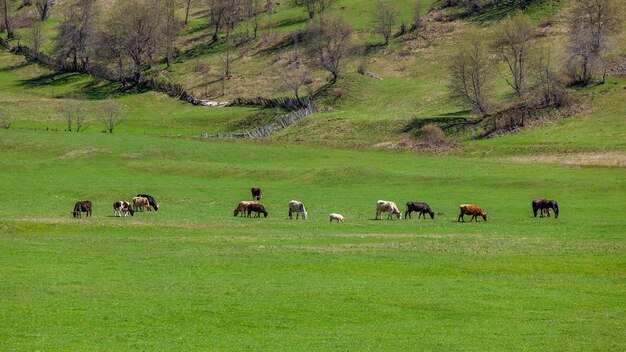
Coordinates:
[268,130]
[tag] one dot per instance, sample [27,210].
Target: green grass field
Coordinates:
[192,277]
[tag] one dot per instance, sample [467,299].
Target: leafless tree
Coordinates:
[417,19]
[593,21]
[471,74]
[216,16]
[169,30]
[547,89]
[385,17]
[514,46]
[6,120]
[315,6]
[75,113]
[111,115]
[269,5]
[35,36]
[43,8]
[187,8]
[330,43]
[252,9]
[295,78]
[132,34]
[204,71]
[77,33]
[5,12]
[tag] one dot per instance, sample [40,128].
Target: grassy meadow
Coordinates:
[193,277]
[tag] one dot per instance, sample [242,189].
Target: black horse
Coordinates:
[544,204]
[420,207]
[258,209]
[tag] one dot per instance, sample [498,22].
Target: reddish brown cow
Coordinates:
[473,210]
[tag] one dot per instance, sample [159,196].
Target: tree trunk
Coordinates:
[187,12]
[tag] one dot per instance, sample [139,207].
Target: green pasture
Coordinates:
[193,277]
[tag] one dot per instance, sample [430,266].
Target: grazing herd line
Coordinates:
[145,202]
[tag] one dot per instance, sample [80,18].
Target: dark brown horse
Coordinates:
[82,207]
[256,193]
[258,209]
[544,204]
[420,207]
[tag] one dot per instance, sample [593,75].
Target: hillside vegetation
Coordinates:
[364,111]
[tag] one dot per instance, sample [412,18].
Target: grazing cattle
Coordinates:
[242,207]
[420,207]
[545,205]
[297,207]
[473,210]
[123,206]
[82,207]
[384,206]
[139,203]
[257,208]
[337,217]
[256,193]
[151,200]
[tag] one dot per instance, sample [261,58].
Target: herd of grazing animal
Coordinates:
[145,202]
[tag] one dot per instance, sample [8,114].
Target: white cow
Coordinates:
[337,217]
[297,207]
[385,206]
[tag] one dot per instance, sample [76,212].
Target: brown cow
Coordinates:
[256,193]
[242,207]
[473,210]
[139,203]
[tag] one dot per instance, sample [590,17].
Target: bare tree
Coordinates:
[270,10]
[252,9]
[315,6]
[204,71]
[132,34]
[75,113]
[330,43]
[417,19]
[385,17]
[5,11]
[111,115]
[296,77]
[216,16]
[231,17]
[187,8]
[169,30]
[77,33]
[471,74]
[593,21]
[514,46]
[547,89]
[35,36]
[43,8]
[6,120]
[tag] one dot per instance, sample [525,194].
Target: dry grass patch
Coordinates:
[609,159]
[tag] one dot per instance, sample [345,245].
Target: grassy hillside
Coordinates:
[192,277]
[366,112]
